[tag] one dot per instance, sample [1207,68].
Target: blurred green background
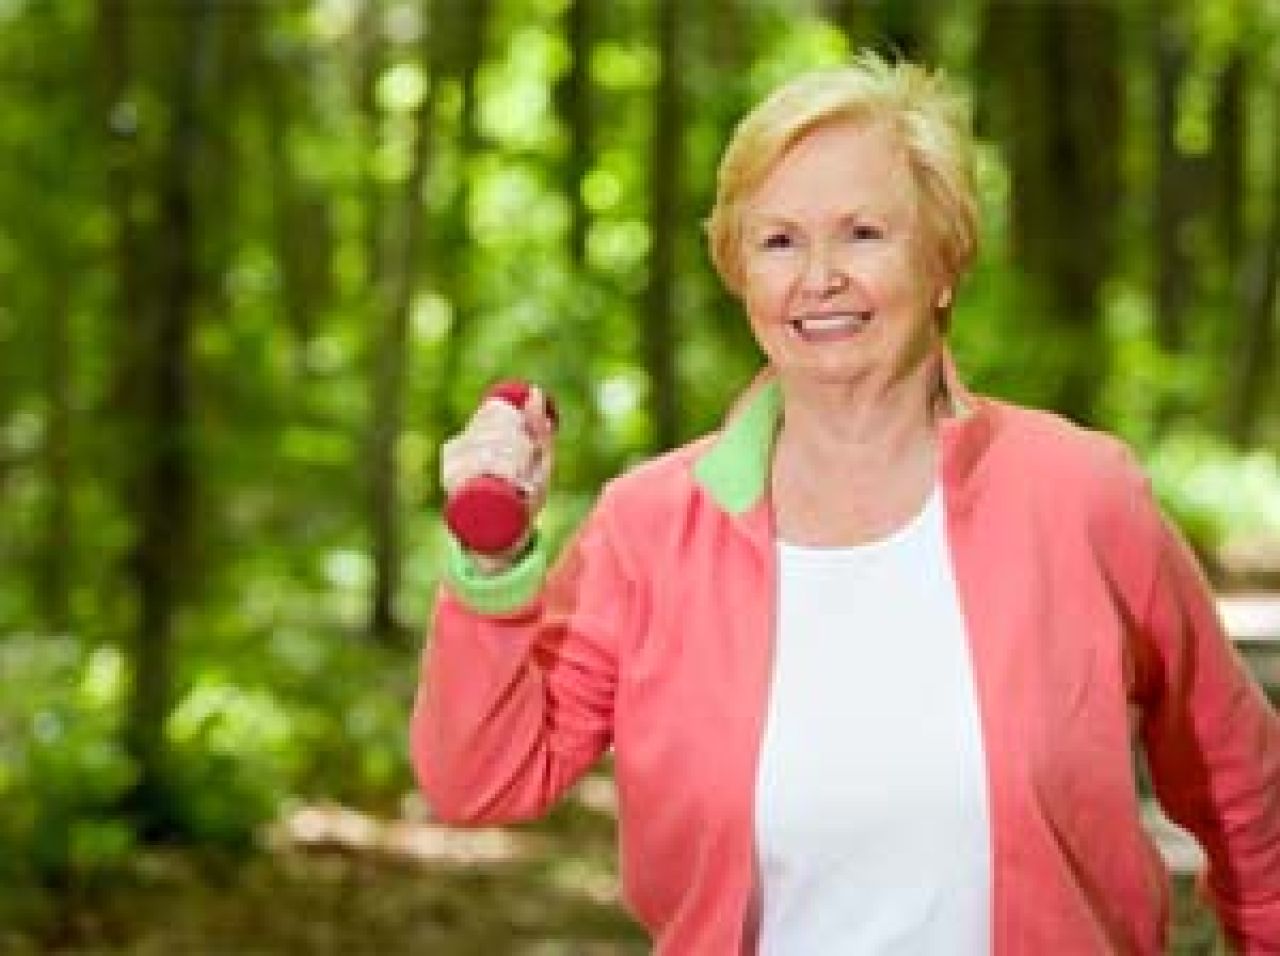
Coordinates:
[258,258]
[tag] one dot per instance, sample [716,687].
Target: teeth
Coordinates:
[831,323]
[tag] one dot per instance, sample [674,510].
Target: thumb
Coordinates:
[536,419]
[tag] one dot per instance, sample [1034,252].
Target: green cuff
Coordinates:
[500,593]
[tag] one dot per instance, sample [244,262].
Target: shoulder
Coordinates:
[1085,490]
[641,512]
[1079,477]
[657,483]
[1067,455]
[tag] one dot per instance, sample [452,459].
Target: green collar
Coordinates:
[735,469]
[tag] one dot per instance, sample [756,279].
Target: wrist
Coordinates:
[493,564]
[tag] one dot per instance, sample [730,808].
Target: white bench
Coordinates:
[1251,619]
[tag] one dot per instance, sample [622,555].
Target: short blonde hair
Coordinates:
[929,117]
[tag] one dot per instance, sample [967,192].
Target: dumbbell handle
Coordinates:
[487,514]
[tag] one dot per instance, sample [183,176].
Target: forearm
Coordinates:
[483,747]
[1214,748]
[516,697]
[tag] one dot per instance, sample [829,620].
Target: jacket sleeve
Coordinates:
[515,699]
[1212,739]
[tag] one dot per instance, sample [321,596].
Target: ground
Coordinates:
[331,880]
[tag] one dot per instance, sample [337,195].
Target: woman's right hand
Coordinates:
[516,445]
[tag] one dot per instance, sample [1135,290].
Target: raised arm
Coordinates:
[516,695]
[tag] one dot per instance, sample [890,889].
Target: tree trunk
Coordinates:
[1059,116]
[730,39]
[123,158]
[299,285]
[368,55]
[164,479]
[467,26]
[1255,368]
[59,545]
[1230,117]
[576,110]
[574,99]
[894,27]
[1177,193]
[402,252]
[458,51]
[658,323]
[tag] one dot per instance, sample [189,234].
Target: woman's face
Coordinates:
[834,281]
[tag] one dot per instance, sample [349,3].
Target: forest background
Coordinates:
[258,258]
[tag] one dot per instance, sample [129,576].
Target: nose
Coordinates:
[823,274]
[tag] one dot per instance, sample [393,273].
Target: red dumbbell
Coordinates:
[487,514]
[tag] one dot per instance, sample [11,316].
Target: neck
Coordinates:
[866,420]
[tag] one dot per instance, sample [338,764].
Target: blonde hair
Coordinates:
[927,115]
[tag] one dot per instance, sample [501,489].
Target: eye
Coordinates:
[776,240]
[865,233]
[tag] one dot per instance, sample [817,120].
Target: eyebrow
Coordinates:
[753,219]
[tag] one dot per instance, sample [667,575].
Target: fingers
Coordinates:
[494,442]
[536,418]
[537,479]
[501,440]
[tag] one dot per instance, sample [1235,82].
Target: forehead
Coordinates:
[837,166]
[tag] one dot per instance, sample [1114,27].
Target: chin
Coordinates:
[833,374]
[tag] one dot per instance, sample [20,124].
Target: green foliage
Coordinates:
[231,751]
[63,771]
[305,712]
[1216,492]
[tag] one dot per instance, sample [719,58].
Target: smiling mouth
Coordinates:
[826,327]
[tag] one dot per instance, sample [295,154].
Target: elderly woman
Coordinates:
[872,657]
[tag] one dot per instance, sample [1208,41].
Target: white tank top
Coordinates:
[871,806]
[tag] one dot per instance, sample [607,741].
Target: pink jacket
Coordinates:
[1087,618]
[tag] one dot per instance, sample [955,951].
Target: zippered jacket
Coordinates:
[1090,628]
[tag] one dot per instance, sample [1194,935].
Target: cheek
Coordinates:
[763,296]
[896,282]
